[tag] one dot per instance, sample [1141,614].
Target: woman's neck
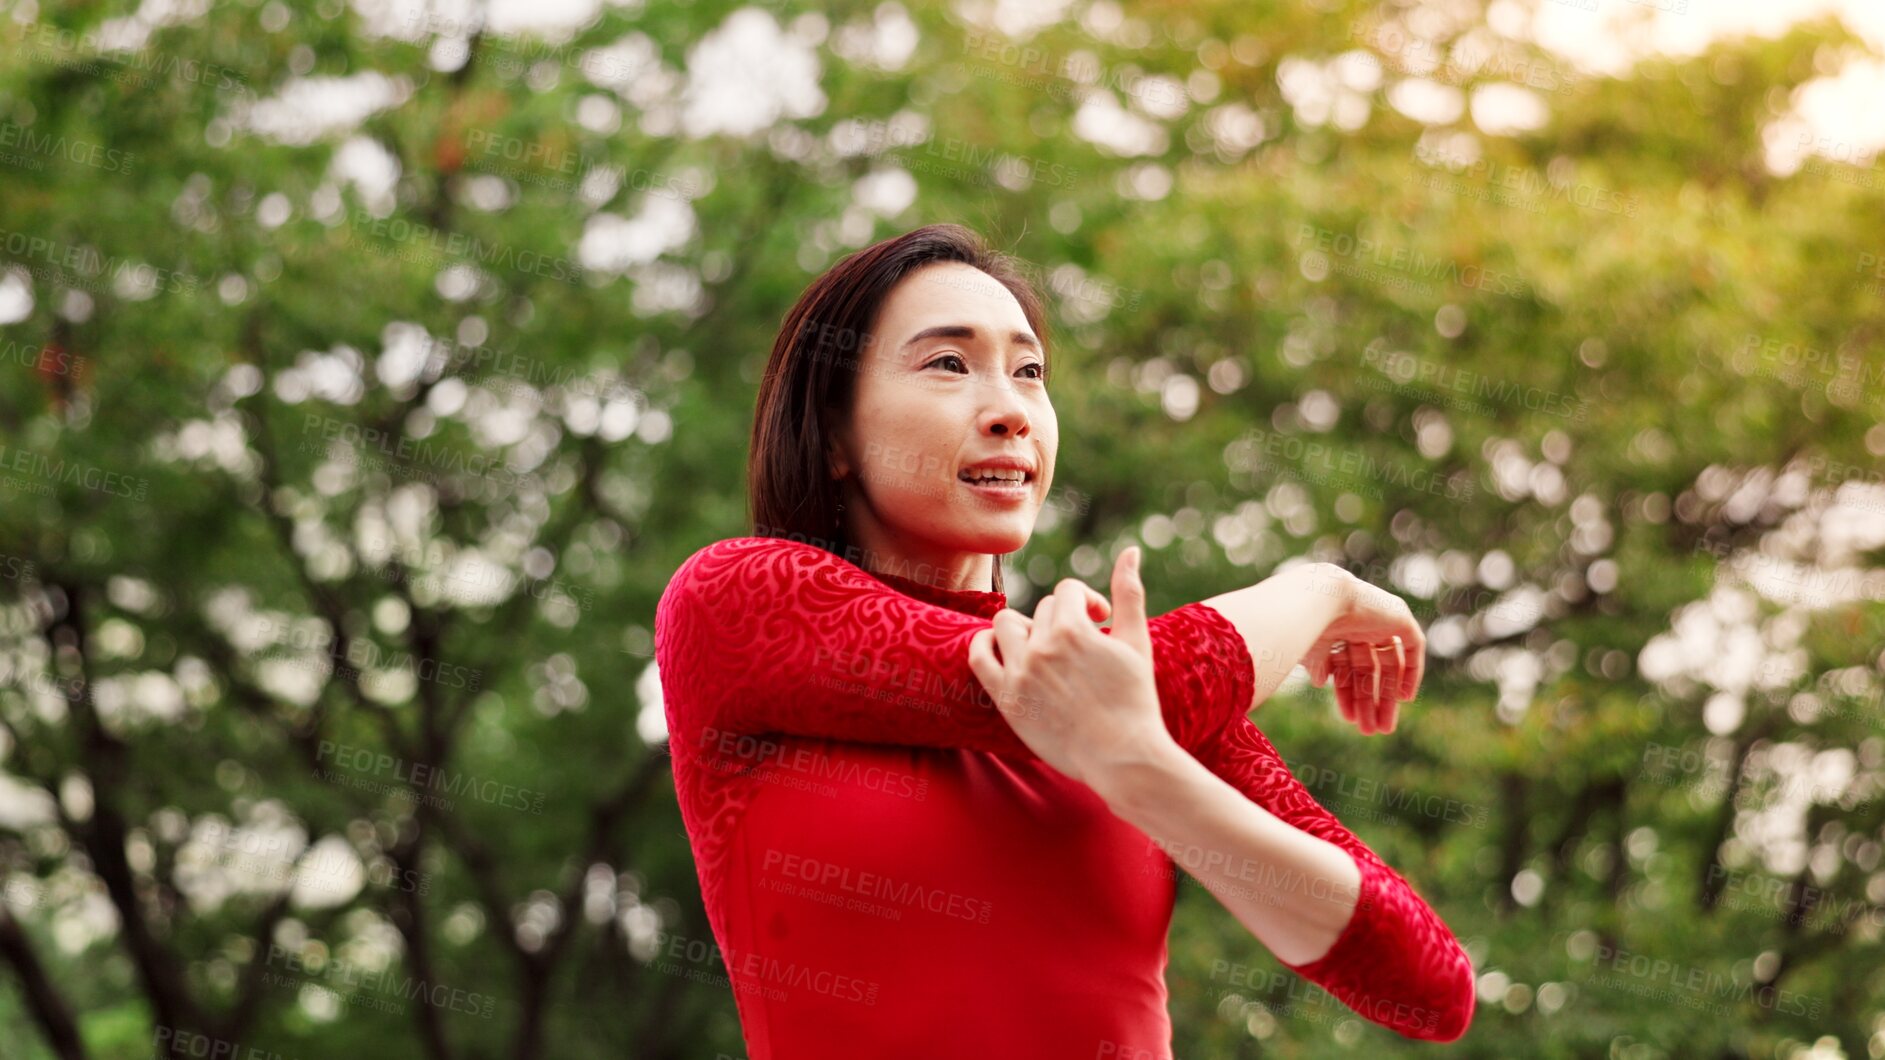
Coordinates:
[945,568]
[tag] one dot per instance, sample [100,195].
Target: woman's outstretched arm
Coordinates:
[1305,886]
[1231,813]
[758,636]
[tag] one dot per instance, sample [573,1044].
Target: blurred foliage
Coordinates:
[345,460]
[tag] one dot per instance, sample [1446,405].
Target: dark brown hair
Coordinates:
[812,374]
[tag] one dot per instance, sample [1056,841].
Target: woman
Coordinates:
[929,826]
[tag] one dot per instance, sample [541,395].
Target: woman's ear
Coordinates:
[837,456]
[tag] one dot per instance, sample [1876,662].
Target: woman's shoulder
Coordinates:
[750,563]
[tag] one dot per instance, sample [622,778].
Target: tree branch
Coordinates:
[43,1000]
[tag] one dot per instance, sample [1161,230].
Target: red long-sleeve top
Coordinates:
[889,871]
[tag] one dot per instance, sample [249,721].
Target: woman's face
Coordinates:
[950,380]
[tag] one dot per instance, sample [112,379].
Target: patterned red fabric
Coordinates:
[1396,963]
[889,871]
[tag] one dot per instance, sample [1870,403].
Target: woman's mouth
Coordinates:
[998,484]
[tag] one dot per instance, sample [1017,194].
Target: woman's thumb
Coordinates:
[1129,601]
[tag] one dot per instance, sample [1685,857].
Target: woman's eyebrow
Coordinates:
[964,331]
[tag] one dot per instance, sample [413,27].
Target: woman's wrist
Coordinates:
[1129,779]
[1331,582]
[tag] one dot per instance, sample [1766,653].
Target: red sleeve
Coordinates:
[759,635]
[1396,963]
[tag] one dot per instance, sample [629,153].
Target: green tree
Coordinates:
[367,373]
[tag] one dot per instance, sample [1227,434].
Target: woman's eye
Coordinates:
[1040,370]
[956,357]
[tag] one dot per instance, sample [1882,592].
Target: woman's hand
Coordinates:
[1084,701]
[1376,653]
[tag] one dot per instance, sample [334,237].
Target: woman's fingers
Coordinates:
[1370,680]
[1343,683]
[1404,691]
[1011,631]
[982,660]
[1368,690]
[1320,657]
[1361,675]
[1043,616]
[1418,658]
[1011,634]
[1392,659]
[1071,592]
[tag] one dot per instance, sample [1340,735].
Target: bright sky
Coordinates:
[1837,116]
[750,72]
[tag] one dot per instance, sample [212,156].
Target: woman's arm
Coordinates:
[757,635]
[1281,617]
[1337,626]
[1234,816]
[1326,905]
[1303,884]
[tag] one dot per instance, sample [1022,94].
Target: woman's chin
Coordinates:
[1000,534]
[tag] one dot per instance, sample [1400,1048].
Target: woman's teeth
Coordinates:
[996,478]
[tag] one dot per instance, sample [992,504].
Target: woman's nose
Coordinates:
[1006,420]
